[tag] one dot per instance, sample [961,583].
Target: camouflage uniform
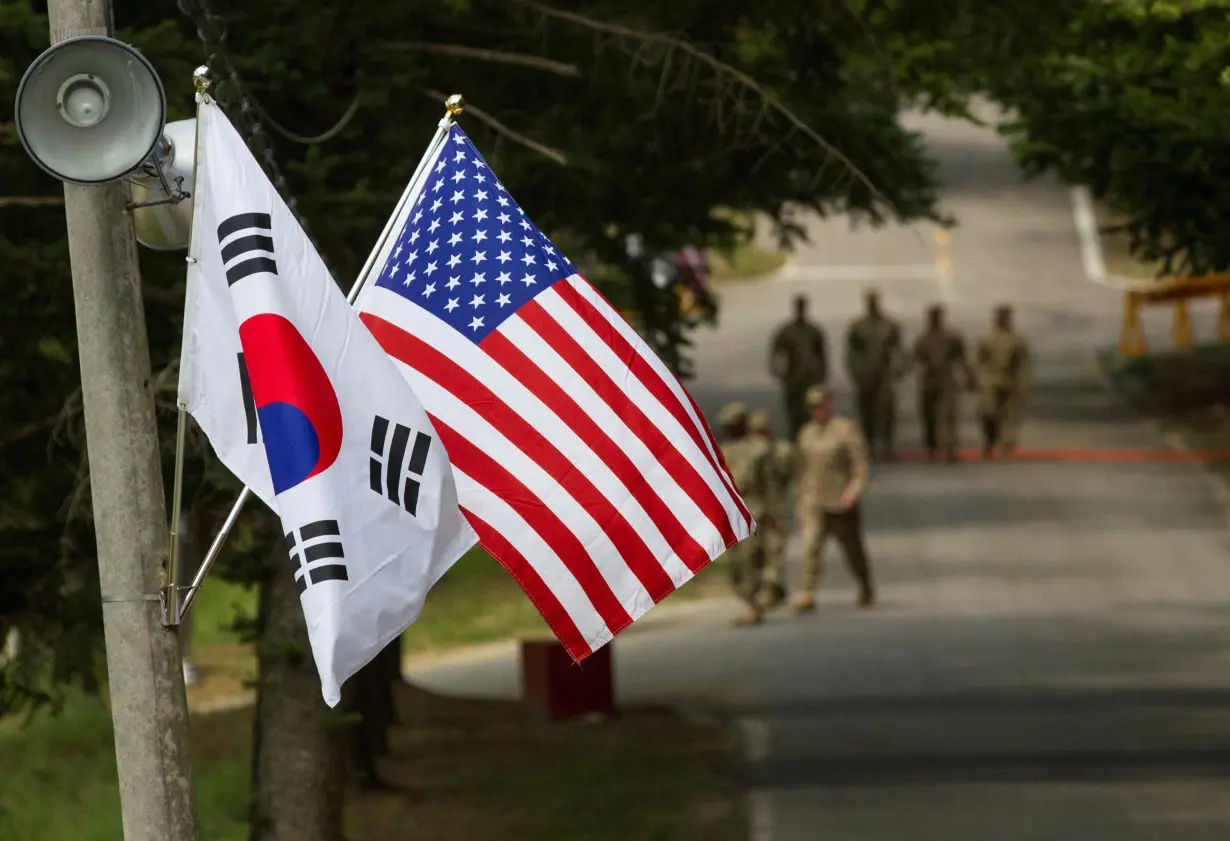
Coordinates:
[780,508]
[938,353]
[833,469]
[799,359]
[874,358]
[1005,369]
[749,458]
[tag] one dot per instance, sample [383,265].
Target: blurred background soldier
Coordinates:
[875,360]
[749,458]
[779,505]
[939,354]
[833,469]
[799,359]
[1005,370]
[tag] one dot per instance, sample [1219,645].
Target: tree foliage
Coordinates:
[1128,97]
[659,113]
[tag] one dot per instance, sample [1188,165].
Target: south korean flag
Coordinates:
[302,404]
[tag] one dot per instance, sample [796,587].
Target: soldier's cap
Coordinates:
[732,413]
[758,421]
[816,395]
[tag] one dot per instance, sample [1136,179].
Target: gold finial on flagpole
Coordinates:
[200,79]
[455,104]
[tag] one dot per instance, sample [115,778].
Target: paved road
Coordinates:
[1051,657]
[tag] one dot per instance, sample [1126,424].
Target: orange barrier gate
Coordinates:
[1178,291]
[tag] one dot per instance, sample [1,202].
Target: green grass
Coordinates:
[60,783]
[648,776]
[644,775]
[216,608]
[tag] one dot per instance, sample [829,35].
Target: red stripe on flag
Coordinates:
[532,585]
[644,372]
[689,479]
[467,388]
[501,349]
[489,473]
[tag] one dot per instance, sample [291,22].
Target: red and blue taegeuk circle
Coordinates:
[300,417]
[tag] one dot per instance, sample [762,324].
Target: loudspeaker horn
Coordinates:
[167,226]
[90,110]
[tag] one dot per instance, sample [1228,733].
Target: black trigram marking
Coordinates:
[318,541]
[386,474]
[259,227]
[249,403]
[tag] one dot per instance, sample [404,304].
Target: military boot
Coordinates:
[804,602]
[866,598]
[774,595]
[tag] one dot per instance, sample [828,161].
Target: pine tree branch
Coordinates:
[546,151]
[497,56]
[31,201]
[719,67]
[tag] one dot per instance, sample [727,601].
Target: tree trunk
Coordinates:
[374,701]
[299,746]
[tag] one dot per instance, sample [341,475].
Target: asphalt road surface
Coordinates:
[1050,658]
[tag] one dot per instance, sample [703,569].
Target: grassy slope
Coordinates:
[59,778]
[645,775]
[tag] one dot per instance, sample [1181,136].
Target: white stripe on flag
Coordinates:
[624,329]
[685,508]
[554,573]
[592,344]
[443,404]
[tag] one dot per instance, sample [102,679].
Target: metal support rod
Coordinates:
[170,602]
[215,549]
[454,107]
[149,709]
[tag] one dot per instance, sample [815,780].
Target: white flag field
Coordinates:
[302,404]
[583,464]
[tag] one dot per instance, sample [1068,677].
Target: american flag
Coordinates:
[586,469]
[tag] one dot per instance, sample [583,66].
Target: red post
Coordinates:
[559,688]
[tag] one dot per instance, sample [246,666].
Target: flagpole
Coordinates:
[173,609]
[453,106]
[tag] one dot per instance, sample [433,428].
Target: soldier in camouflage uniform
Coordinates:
[750,461]
[1005,370]
[943,369]
[875,360]
[779,505]
[833,469]
[798,358]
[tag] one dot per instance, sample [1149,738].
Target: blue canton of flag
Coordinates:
[468,254]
